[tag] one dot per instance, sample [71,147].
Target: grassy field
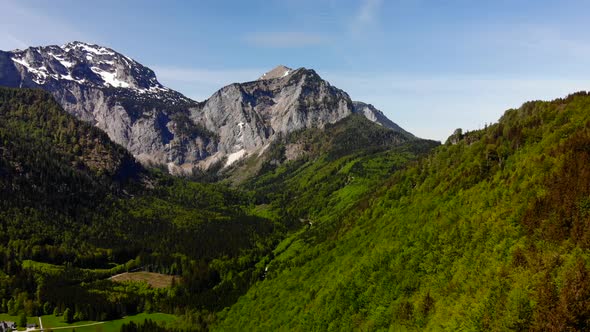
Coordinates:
[115,325]
[51,321]
[57,323]
[155,280]
[7,317]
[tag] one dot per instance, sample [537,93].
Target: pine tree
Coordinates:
[47,308]
[10,306]
[22,320]
[68,315]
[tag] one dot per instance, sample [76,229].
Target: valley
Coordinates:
[279,204]
[200,245]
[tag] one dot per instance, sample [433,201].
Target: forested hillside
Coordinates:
[75,209]
[348,227]
[490,233]
[69,160]
[315,175]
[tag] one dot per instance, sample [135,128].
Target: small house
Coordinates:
[7,326]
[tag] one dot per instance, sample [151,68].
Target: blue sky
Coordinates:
[430,66]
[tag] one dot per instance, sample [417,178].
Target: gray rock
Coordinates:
[277,72]
[375,115]
[113,92]
[249,115]
[161,126]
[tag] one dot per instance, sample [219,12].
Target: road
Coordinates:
[132,270]
[63,327]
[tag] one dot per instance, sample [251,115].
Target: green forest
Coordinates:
[366,229]
[488,234]
[76,208]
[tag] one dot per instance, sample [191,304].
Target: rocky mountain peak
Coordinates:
[162,127]
[85,63]
[277,72]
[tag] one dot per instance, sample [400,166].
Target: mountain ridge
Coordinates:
[161,126]
[347,225]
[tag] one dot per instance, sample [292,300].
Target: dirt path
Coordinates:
[64,327]
[116,275]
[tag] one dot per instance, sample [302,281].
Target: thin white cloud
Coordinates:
[433,106]
[366,17]
[10,42]
[368,11]
[532,40]
[200,83]
[40,28]
[285,39]
[200,75]
[428,106]
[551,40]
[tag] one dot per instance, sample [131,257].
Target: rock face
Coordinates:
[375,115]
[161,126]
[277,72]
[248,116]
[115,93]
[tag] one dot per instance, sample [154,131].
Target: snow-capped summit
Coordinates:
[92,48]
[110,90]
[161,126]
[85,63]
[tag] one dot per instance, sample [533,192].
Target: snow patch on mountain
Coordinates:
[98,50]
[110,78]
[233,157]
[64,62]
[40,72]
[161,126]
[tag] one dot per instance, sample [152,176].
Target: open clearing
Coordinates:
[115,325]
[155,280]
[53,323]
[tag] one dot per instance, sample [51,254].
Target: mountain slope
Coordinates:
[487,234]
[76,208]
[313,166]
[375,115]
[115,93]
[39,143]
[161,126]
[249,116]
[353,135]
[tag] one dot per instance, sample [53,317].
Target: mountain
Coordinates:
[76,208]
[489,232]
[317,174]
[161,126]
[249,116]
[346,222]
[353,135]
[112,92]
[38,138]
